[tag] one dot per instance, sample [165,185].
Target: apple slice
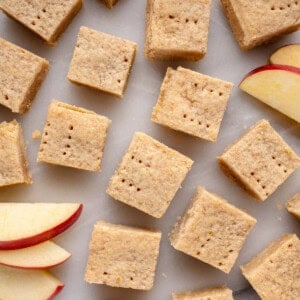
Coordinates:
[277,86]
[16,284]
[287,55]
[27,224]
[40,256]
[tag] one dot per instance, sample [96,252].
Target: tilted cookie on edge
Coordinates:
[260,161]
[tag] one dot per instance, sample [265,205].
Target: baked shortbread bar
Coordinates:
[215,293]
[177,29]
[192,103]
[293,206]
[102,61]
[73,137]
[212,230]
[275,273]
[260,161]
[259,21]
[123,256]
[47,18]
[13,161]
[149,175]
[21,74]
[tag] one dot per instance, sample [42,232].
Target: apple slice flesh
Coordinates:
[17,284]
[40,256]
[27,224]
[276,85]
[287,55]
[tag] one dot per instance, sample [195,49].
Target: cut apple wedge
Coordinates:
[40,256]
[287,55]
[27,224]
[16,284]
[277,86]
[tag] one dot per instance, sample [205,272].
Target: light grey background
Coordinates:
[176,271]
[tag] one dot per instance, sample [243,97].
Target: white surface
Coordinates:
[176,271]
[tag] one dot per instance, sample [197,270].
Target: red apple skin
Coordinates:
[43,236]
[273,67]
[56,292]
[36,268]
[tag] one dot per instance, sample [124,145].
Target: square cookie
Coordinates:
[259,21]
[21,74]
[123,256]
[260,161]
[110,3]
[102,61]
[73,137]
[47,18]
[149,175]
[177,29]
[275,273]
[192,103]
[212,230]
[215,293]
[293,206]
[13,161]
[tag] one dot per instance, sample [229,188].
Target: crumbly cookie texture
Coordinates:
[46,18]
[212,230]
[258,21]
[102,61]
[110,3]
[215,293]
[177,29]
[192,103]
[122,256]
[21,74]
[260,161]
[274,273]
[13,160]
[293,206]
[73,137]
[149,175]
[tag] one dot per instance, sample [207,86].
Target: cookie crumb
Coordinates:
[36,135]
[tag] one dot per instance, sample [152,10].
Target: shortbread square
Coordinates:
[275,273]
[21,74]
[177,29]
[149,175]
[212,230]
[47,18]
[73,137]
[259,21]
[123,256]
[260,161]
[293,206]
[192,103]
[110,3]
[13,161]
[215,293]
[102,61]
